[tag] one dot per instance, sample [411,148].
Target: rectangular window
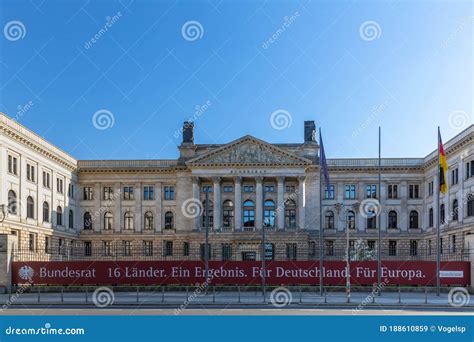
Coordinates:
[291,251]
[30,173]
[430,188]
[168,248]
[70,190]
[371,245]
[87,248]
[269,188]
[207,188]
[329,248]
[371,191]
[226,251]
[47,244]
[32,242]
[392,248]
[46,180]
[414,191]
[148,193]
[290,188]
[148,248]
[106,248]
[453,243]
[454,176]
[128,193]
[59,185]
[185,248]
[350,191]
[228,188]
[88,193]
[203,251]
[429,247]
[169,193]
[470,205]
[248,188]
[441,245]
[108,192]
[127,248]
[413,247]
[472,168]
[329,193]
[393,191]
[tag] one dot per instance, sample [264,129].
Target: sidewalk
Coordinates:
[280,299]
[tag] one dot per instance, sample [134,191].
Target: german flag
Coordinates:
[443,166]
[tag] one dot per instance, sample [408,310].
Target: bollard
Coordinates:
[162,294]
[399,295]
[138,294]
[238,291]
[62,294]
[38,294]
[187,293]
[301,296]
[9,293]
[213,294]
[325,296]
[426,295]
[86,294]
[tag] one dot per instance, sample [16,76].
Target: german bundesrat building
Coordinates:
[60,208]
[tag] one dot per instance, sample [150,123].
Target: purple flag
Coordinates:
[322,161]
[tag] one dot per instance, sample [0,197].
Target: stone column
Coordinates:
[404,215]
[281,202]
[217,203]
[259,204]
[97,221]
[301,202]
[238,203]
[138,218]
[197,219]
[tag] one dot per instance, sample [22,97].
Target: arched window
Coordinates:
[148,220]
[455,210]
[442,213]
[350,219]
[371,219]
[45,212]
[470,205]
[414,219]
[87,221]
[12,203]
[30,207]
[249,214]
[169,220]
[290,213]
[128,220]
[392,219]
[59,216]
[329,219]
[210,213]
[430,217]
[228,214]
[108,221]
[71,218]
[269,214]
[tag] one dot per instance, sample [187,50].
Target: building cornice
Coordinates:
[13,130]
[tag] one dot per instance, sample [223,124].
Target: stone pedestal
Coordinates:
[8,243]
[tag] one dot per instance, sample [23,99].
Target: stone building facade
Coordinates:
[60,208]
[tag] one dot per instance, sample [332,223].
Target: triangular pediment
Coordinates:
[248,151]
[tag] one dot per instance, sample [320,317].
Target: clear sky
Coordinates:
[149,65]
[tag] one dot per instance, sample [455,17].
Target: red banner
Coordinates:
[236,272]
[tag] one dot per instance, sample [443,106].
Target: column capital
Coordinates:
[280,179]
[301,179]
[196,179]
[216,180]
[238,179]
[259,179]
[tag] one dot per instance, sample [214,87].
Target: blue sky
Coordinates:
[409,71]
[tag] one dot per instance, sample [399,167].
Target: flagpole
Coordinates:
[379,257]
[321,254]
[438,249]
